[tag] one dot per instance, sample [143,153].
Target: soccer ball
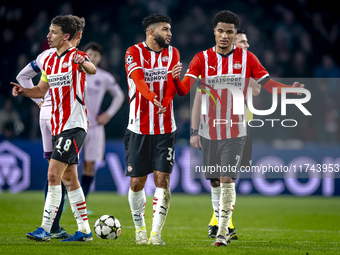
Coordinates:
[107,227]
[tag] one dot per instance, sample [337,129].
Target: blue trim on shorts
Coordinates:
[47,155]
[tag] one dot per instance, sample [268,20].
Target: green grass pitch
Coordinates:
[266,225]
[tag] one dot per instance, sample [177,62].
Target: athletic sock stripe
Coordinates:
[81,203]
[85,219]
[81,208]
[83,215]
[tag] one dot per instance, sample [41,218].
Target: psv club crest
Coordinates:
[65,65]
[237,65]
[165,59]
[129,168]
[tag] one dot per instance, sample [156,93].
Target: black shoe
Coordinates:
[233,235]
[60,234]
[212,231]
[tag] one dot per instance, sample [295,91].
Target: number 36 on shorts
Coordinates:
[171,154]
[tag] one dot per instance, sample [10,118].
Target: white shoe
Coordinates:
[221,241]
[141,236]
[156,239]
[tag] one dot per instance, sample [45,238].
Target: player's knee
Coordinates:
[53,179]
[137,183]
[162,181]
[226,179]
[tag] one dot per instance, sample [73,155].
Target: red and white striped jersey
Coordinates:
[143,117]
[217,120]
[67,83]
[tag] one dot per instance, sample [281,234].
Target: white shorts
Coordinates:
[45,111]
[94,144]
[46,130]
[46,134]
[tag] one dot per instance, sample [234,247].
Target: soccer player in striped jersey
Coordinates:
[222,145]
[64,74]
[25,79]
[241,41]
[97,86]
[151,132]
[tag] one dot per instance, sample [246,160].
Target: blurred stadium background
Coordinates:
[292,39]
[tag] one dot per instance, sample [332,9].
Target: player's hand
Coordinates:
[176,70]
[17,89]
[78,59]
[195,141]
[103,118]
[158,104]
[298,85]
[162,110]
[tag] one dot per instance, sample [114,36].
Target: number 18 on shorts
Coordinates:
[67,144]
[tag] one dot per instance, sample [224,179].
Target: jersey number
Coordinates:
[238,158]
[171,154]
[67,144]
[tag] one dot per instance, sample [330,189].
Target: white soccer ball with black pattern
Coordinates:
[107,227]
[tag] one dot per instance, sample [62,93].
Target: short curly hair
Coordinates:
[80,22]
[155,18]
[226,17]
[69,24]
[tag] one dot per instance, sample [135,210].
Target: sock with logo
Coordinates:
[215,200]
[161,204]
[55,225]
[51,207]
[137,201]
[78,206]
[227,202]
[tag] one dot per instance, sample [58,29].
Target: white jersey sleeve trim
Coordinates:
[138,67]
[264,76]
[191,75]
